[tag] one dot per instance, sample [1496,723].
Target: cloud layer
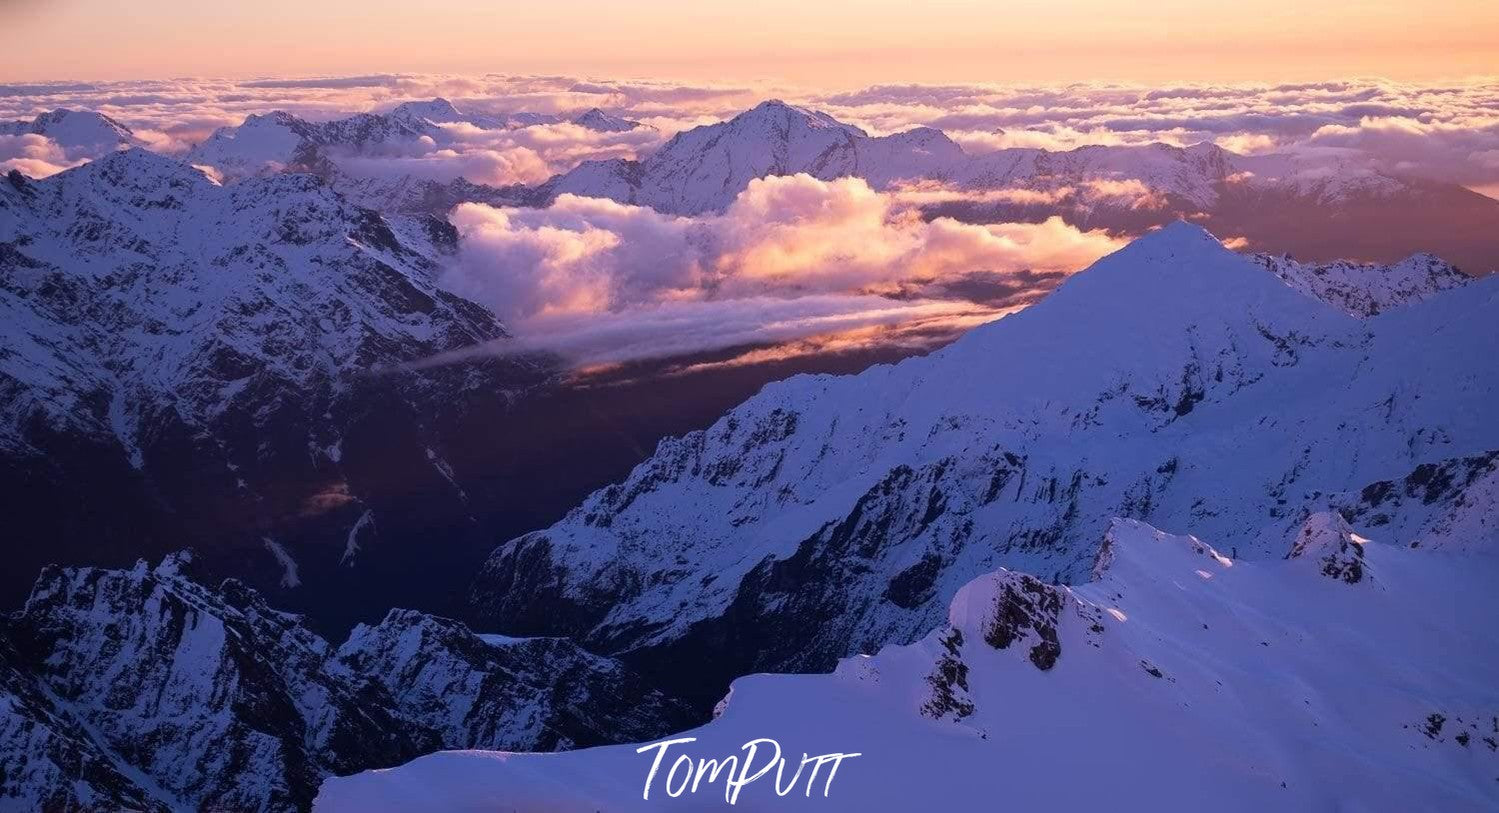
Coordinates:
[1448,131]
[793,257]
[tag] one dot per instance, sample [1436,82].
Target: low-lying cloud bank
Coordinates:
[793,257]
[35,156]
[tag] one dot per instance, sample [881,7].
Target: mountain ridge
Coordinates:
[865,500]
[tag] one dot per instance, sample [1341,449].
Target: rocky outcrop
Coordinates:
[1326,539]
[507,694]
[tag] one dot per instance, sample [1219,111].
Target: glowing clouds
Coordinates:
[34,155]
[792,257]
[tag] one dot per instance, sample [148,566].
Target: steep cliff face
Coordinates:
[151,689]
[507,694]
[1173,382]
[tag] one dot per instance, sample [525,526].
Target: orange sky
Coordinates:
[831,43]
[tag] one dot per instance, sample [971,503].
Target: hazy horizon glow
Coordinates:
[831,45]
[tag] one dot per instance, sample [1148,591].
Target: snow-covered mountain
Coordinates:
[185,361]
[1312,207]
[150,689]
[274,141]
[1173,382]
[512,694]
[596,119]
[81,133]
[1366,289]
[703,169]
[1175,677]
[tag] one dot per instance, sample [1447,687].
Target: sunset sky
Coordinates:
[832,44]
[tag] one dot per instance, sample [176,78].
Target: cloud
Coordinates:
[336,82]
[792,257]
[33,155]
[811,324]
[497,167]
[1439,131]
[1435,130]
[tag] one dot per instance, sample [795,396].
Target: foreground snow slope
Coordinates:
[1177,679]
[1174,382]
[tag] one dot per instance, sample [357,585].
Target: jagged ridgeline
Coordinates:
[159,688]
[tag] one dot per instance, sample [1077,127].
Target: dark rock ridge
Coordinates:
[150,689]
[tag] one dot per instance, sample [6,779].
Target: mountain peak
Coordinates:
[75,129]
[779,111]
[438,110]
[138,168]
[595,119]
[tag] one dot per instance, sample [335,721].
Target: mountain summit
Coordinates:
[1173,382]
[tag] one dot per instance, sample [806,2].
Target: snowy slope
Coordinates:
[1174,679]
[81,133]
[704,168]
[596,119]
[1174,382]
[184,361]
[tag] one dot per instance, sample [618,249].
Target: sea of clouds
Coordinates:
[794,260]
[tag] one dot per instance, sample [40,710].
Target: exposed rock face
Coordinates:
[507,694]
[1446,504]
[148,689]
[48,761]
[220,701]
[1174,382]
[1366,289]
[1339,553]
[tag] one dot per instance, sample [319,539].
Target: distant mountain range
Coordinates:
[275,141]
[1318,209]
